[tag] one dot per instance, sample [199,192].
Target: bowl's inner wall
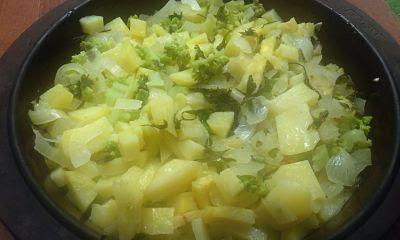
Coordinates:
[341,44]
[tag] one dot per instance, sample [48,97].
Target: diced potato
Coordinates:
[193,130]
[129,145]
[220,123]
[129,198]
[184,78]
[104,187]
[256,70]
[200,230]
[200,189]
[90,170]
[58,97]
[162,110]
[293,131]
[199,39]
[237,66]
[58,177]
[301,173]
[297,95]
[158,221]
[117,25]
[183,203]
[279,64]
[174,177]
[90,114]
[236,46]
[272,16]
[103,216]
[157,29]
[289,202]
[228,215]
[228,184]
[114,167]
[92,24]
[125,55]
[268,46]
[288,52]
[138,28]
[191,150]
[81,190]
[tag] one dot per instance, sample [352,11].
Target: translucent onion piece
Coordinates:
[70,73]
[256,110]
[251,168]
[193,4]
[128,104]
[344,169]
[170,8]
[43,116]
[244,130]
[43,147]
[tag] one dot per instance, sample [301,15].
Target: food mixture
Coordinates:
[206,120]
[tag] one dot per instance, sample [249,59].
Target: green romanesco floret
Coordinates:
[111,150]
[176,51]
[150,59]
[204,69]
[174,23]
[253,185]
[100,43]
[79,58]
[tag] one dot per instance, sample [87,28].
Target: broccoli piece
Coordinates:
[150,59]
[173,23]
[253,185]
[102,44]
[111,150]
[79,58]
[204,69]
[363,123]
[176,51]
[143,91]
[82,89]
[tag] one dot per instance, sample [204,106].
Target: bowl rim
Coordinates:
[83,231]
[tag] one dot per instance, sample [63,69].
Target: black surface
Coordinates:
[26,217]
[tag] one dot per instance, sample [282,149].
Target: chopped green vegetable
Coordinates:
[173,23]
[204,69]
[254,185]
[177,52]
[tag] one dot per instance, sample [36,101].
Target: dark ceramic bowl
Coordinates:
[343,44]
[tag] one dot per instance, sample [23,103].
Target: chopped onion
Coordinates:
[251,168]
[170,8]
[256,110]
[128,104]
[193,4]
[363,158]
[70,73]
[237,95]
[305,45]
[244,130]
[43,116]
[43,147]
[240,155]
[344,169]
[359,105]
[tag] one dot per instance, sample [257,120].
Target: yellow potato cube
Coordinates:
[92,24]
[117,25]
[200,189]
[90,114]
[138,28]
[301,173]
[287,52]
[104,187]
[290,99]
[183,203]
[228,215]
[103,216]
[172,178]
[288,202]
[58,97]
[200,230]
[293,131]
[129,145]
[184,78]
[125,55]
[220,123]
[191,150]
[158,221]
[81,190]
